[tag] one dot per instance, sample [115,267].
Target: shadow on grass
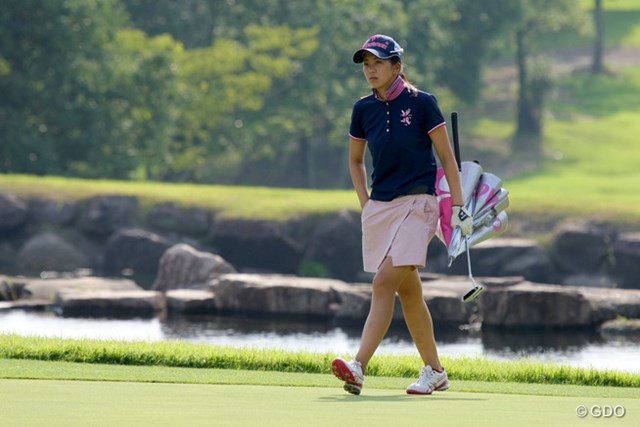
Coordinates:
[393,398]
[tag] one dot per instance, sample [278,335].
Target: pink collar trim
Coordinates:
[394,91]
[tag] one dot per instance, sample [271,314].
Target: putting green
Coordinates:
[29,402]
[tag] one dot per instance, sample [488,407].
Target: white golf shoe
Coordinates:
[350,373]
[429,381]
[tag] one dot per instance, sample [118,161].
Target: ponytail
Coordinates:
[410,86]
[413,90]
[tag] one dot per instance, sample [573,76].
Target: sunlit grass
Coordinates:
[226,201]
[591,150]
[189,355]
[621,27]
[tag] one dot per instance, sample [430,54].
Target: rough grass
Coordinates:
[227,201]
[188,355]
[592,150]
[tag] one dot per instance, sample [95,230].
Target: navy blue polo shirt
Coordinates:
[397,134]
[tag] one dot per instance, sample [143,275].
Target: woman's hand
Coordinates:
[463,219]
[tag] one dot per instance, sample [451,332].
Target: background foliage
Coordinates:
[252,92]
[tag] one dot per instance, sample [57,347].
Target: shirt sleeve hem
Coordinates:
[355,137]
[437,126]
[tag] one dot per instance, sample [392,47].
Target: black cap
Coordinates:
[384,47]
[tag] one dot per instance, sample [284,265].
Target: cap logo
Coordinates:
[375,44]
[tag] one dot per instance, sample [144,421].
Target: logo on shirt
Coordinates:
[406,117]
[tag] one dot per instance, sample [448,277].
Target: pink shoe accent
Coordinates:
[342,370]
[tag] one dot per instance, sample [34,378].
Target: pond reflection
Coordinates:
[575,348]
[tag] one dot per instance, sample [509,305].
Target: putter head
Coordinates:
[474,292]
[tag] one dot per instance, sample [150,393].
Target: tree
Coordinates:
[50,51]
[465,35]
[297,136]
[597,64]
[226,83]
[189,21]
[142,98]
[234,91]
[83,96]
[532,20]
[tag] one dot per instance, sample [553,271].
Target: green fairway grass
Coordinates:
[41,393]
[98,403]
[44,370]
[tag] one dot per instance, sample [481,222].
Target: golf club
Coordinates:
[498,226]
[476,289]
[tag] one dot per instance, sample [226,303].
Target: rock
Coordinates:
[50,252]
[507,257]
[13,212]
[26,305]
[621,327]
[103,215]
[288,295]
[437,257]
[353,302]
[443,296]
[47,289]
[257,245]
[609,304]
[593,281]
[8,251]
[136,250]
[337,244]
[97,297]
[277,295]
[581,249]
[626,252]
[170,218]
[190,301]
[53,212]
[116,304]
[517,257]
[182,266]
[533,306]
[11,290]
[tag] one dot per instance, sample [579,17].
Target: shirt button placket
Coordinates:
[388,114]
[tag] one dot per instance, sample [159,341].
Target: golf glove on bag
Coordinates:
[463,219]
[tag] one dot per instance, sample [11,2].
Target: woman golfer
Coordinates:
[402,126]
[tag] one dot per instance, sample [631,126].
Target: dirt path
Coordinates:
[570,61]
[502,76]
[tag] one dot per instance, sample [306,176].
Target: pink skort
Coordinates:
[400,229]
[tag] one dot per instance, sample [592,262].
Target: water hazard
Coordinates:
[573,348]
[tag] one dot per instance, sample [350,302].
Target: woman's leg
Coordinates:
[384,288]
[418,319]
